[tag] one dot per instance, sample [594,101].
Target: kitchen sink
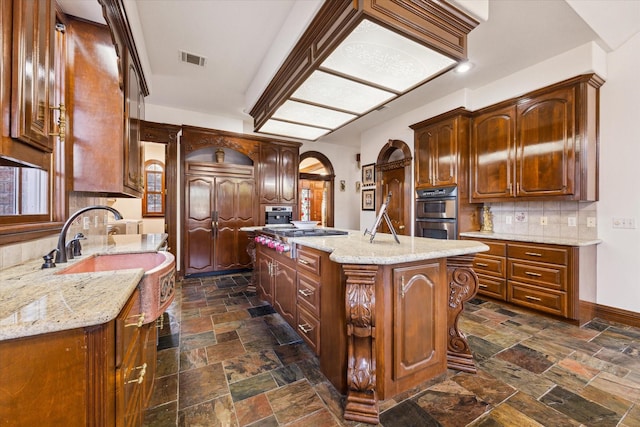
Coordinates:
[157,287]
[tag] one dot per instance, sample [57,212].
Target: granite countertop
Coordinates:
[356,248]
[35,301]
[532,239]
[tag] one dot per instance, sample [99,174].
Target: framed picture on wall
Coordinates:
[369,200]
[369,174]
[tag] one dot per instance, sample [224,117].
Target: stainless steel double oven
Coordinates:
[437,213]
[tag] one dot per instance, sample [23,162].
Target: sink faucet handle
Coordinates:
[48,259]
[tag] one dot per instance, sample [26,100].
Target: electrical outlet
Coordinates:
[543,220]
[571,221]
[631,223]
[95,221]
[591,221]
[86,222]
[508,219]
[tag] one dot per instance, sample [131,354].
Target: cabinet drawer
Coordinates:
[309,293]
[490,266]
[308,261]
[492,287]
[541,299]
[547,275]
[539,253]
[309,329]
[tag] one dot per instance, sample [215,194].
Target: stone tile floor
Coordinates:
[227,359]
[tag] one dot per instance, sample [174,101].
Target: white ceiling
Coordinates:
[245,41]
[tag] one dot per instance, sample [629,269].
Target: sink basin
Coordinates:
[157,287]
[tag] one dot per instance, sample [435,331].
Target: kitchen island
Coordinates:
[381,316]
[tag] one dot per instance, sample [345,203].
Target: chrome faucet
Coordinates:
[61,255]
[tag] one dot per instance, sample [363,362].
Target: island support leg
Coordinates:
[362,400]
[463,285]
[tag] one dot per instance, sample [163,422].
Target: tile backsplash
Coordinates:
[527,218]
[18,253]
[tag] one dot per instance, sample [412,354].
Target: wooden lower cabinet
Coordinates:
[96,376]
[545,277]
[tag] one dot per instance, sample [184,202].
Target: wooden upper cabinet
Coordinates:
[33,76]
[133,114]
[278,173]
[438,144]
[541,145]
[6,25]
[492,154]
[546,150]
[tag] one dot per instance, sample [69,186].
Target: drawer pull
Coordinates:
[138,324]
[305,292]
[482,264]
[306,328]
[529,273]
[303,261]
[143,371]
[482,286]
[529,297]
[532,254]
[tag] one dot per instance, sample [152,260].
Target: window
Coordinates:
[23,191]
[153,201]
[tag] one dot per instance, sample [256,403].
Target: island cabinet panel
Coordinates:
[541,145]
[417,336]
[284,289]
[264,283]
[93,376]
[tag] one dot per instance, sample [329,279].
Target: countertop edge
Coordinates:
[532,239]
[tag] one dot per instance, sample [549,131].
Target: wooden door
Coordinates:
[492,154]
[199,224]
[234,209]
[393,182]
[546,145]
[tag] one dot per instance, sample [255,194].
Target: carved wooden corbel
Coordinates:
[463,285]
[362,400]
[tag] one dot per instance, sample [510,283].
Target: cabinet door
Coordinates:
[234,209]
[419,324]
[288,174]
[269,155]
[132,145]
[199,222]
[33,72]
[546,145]
[424,140]
[6,25]
[445,154]
[285,292]
[265,283]
[492,154]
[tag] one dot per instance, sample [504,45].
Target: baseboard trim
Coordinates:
[590,310]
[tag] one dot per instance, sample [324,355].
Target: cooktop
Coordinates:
[299,232]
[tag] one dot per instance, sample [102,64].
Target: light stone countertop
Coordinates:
[35,301]
[356,248]
[532,239]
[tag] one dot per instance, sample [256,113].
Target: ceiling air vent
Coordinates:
[190,58]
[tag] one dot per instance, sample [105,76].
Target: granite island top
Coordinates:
[356,248]
[35,301]
[532,239]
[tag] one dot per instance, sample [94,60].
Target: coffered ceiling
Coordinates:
[245,41]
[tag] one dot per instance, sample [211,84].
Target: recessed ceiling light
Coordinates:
[463,67]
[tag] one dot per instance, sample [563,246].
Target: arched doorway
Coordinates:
[316,188]
[393,168]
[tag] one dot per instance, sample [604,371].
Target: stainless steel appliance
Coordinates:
[437,213]
[278,215]
[278,238]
